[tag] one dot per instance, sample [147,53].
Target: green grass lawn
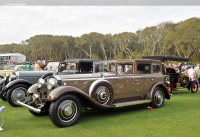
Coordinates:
[179,117]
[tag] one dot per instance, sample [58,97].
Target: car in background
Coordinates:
[111,84]
[16,88]
[13,68]
[177,79]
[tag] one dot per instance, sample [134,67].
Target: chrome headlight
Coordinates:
[167,80]
[41,83]
[51,83]
[12,77]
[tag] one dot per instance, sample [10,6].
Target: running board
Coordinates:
[131,103]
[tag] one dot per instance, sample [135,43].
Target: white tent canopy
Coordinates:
[13,57]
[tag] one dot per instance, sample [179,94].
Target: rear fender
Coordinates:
[159,84]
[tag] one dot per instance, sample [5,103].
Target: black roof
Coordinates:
[164,58]
[80,60]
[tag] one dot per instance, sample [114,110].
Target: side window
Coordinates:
[108,67]
[156,68]
[125,68]
[143,68]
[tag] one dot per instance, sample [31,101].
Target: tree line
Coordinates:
[167,38]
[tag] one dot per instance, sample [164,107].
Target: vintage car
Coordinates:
[16,86]
[112,84]
[26,78]
[176,79]
[14,68]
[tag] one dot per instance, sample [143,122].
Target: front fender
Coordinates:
[17,81]
[59,91]
[33,89]
[162,85]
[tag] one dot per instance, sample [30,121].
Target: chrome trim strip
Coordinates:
[107,77]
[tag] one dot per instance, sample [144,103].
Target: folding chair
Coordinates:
[2,120]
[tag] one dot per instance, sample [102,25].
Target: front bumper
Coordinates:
[29,107]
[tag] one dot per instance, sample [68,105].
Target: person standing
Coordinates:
[197,69]
[184,67]
[191,73]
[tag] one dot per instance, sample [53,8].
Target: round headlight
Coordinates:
[51,83]
[166,78]
[41,82]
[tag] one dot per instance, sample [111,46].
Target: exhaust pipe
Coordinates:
[29,107]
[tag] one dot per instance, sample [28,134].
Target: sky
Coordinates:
[19,23]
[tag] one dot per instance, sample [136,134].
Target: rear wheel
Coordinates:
[17,93]
[65,111]
[158,98]
[184,81]
[194,87]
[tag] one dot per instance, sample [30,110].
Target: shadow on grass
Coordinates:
[182,91]
[92,114]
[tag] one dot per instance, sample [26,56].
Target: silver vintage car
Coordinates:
[14,86]
[112,84]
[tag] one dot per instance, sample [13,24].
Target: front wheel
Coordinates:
[65,111]
[194,87]
[17,93]
[158,98]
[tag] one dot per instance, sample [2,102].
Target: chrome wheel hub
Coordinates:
[19,94]
[159,97]
[67,110]
[103,94]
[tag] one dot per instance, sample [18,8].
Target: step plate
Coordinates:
[131,103]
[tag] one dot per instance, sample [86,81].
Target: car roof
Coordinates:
[79,60]
[164,58]
[138,60]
